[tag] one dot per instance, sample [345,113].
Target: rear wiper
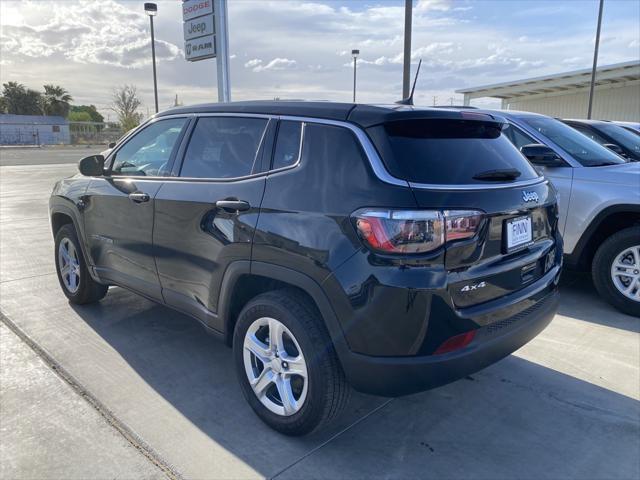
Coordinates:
[502,174]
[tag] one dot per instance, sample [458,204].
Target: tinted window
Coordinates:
[288,144]
[447,151]
[223,147]
[590,133]
[582,148]
[148,152]
[517,136]
[621,136]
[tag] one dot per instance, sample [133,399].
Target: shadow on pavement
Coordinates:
[580,300]
[516,418]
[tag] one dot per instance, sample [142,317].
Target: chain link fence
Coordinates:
[88,133]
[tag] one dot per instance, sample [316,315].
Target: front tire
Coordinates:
[74,278]
[616,270]
[286,363]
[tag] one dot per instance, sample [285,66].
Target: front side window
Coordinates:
[223,147]
[288,144]
[582,148]
[147,153]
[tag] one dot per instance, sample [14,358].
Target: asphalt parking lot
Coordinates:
[130,389]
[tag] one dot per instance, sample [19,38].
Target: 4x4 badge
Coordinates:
[468,288]
[529,196]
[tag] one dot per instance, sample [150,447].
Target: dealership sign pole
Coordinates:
[206,35]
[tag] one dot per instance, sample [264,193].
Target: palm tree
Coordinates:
[56,101]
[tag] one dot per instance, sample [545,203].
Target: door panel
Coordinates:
[194,241]
[118,231]
[119,208]
[194,238]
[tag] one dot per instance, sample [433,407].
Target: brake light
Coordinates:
[456,343]
[461,224]
[414,231]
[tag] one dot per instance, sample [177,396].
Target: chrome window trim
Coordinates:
[371,153]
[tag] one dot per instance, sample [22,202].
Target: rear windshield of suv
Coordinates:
[449,152]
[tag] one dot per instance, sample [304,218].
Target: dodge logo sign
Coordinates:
[530,196]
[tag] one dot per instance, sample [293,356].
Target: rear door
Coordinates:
[118,213]
[207,212]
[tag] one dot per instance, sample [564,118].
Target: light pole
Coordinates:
[151,9]
[355,54]
[595,60]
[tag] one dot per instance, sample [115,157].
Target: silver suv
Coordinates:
[599,199]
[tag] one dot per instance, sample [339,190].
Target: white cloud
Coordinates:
[252,63]
[301,49]
[105,33]
[275,64]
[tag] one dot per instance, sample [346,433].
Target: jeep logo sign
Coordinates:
[530,196]
[198,27]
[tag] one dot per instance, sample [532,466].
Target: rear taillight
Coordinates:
[461,224]
[414,231]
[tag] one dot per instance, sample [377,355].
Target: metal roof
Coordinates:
[560,82]
[10,119]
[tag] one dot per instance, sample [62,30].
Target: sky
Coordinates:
[302,49]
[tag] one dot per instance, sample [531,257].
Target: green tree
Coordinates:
[126,104]
[90,110]
[19,100]
[56,101]
[79,117]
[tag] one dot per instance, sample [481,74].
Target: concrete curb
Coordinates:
[131,437]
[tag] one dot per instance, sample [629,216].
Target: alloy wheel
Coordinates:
[69,265]
[275,366]
[625,272]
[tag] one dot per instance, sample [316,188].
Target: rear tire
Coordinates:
[616,270]
[318,394]
[74,278]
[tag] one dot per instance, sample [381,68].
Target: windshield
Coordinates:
[583,149]
[622,137]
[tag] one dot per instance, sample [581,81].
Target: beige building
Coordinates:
[566,95]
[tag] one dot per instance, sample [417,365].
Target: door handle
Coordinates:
[139,197]
[233,205]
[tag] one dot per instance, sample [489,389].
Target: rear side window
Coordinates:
[447,151]
[287,149]
[223,147]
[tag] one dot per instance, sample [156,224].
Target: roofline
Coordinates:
[516,83]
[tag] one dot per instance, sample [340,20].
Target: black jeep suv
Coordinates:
[392,248]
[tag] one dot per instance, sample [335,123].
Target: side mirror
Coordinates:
[542,155]
[614,148]
[111,144]
[92,166]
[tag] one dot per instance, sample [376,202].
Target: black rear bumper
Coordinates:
[397,376]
